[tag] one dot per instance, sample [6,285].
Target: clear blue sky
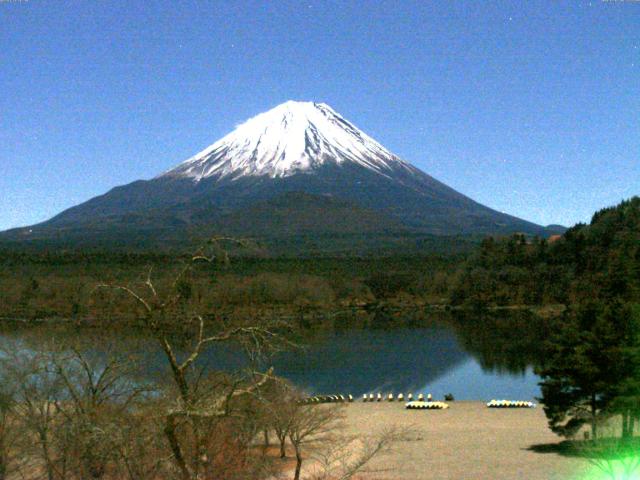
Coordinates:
[530,107]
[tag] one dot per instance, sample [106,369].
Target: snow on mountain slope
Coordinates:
[294,137]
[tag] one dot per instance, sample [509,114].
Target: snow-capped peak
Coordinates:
[294,137]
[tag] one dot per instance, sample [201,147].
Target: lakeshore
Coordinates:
[466,441]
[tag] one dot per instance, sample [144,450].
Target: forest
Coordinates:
[596,261]
[60,285]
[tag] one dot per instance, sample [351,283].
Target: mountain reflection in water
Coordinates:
[473,357]
[362,361]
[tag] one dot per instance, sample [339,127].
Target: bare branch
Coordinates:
[149,283]
[130,292]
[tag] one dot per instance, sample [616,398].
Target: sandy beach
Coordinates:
[468,440]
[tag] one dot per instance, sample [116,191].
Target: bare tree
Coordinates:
[99,397]
[280,401]
[349,456]
[315,433]
[140,450]
[36,391]
[311,426]
[73,414]
[199,405]
[7,429]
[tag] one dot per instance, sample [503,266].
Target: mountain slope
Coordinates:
[241,184]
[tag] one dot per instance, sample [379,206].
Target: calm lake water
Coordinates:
[473,358]
[428,360]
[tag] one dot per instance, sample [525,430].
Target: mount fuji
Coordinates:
[299,170]
[294,137]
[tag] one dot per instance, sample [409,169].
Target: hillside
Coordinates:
[599,260]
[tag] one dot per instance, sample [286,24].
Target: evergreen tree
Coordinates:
[592,368]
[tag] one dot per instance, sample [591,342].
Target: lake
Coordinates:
[473,357]
[405,359]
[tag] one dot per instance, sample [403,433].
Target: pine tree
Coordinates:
[592,368]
